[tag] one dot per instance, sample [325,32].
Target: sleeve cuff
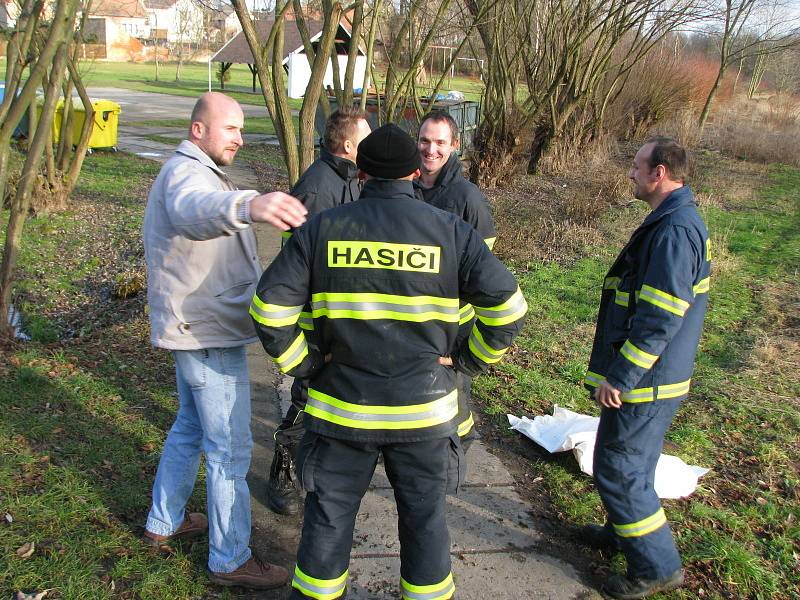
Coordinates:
[243,210]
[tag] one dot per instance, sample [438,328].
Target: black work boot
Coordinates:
[619,586]
[600,537]
[282,494]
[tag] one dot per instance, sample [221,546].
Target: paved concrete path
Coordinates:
[497,548]
[149,106]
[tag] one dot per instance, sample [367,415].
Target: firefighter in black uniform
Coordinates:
[384,276]
[651,314]
[330,181]
[442,184]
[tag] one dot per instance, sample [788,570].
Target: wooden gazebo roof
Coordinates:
[237,51]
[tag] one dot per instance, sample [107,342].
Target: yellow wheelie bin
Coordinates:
[106,122]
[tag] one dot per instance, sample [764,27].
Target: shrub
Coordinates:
[759,130]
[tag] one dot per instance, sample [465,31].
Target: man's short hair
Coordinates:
[668,152]
[341,126]
[439,116]
[200,110]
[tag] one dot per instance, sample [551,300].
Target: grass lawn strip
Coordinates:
[85,417]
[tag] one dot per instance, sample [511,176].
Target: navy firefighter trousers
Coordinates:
[629,442]
[336,473]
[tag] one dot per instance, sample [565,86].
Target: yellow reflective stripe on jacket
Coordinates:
[294,354]
[465,314]
[639,395]
[490,242]
[466,425]
[621,298]
[321,589]
[638,357]
[437,591]
[483,351]
[662,299]
[306,321]
[708,250]
[285,235]
[610,283]
[364,416]
[509,311]
[593,379]
[702,286]
[273,315]
[365,306]
[643,527]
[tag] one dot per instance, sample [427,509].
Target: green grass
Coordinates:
[84,419]
[742,418]
[261,125]
[77,462]
[194,80]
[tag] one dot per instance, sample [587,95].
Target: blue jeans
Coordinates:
[213,418]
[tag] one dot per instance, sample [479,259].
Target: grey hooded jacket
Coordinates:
[202,262]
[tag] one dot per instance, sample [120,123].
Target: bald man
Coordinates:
[202,268]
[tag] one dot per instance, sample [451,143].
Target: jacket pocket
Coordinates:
[456,466]
[235,291]
[619,312]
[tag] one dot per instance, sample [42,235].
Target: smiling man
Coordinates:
[202,268]
[442,184]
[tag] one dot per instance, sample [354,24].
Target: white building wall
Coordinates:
[300,73]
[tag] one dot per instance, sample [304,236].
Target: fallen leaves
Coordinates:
[32,595]
[26,550]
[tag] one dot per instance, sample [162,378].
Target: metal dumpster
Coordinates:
[466,113]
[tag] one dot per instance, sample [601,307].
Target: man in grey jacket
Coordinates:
[202,270]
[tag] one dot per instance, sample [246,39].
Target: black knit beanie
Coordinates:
[388,153]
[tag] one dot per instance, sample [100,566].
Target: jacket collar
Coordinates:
[191,150]
[388,189]
[344,168]
[451,169]
[683,196]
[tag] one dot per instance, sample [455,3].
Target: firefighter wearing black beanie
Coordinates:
[388,153]
[385,275]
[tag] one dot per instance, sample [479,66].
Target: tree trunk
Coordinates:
[314,89]
[22,197]
[701,122]
[542,138]
[72,171]
[20,100]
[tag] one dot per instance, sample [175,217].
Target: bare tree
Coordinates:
[547,59]
[748,28]
[43,47]
[189,30]
[269,68]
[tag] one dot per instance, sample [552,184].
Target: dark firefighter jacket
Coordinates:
[456,194]
[329,181]
[652,306]
[384,276]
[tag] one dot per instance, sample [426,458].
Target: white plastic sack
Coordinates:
[567,430]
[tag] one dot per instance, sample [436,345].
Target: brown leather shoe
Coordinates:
[194,524]
[255,574]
